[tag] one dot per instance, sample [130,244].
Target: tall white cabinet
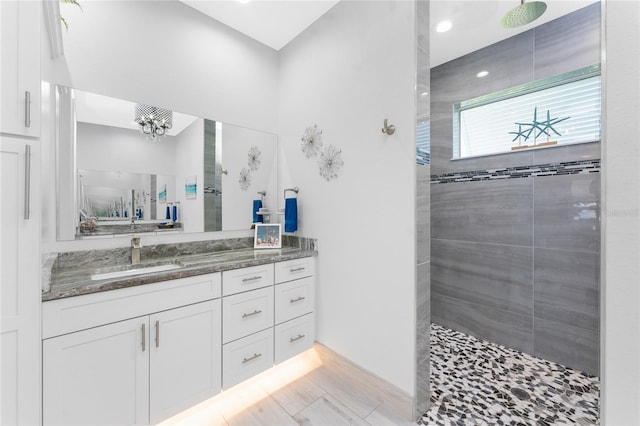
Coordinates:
[20,282]
[20,75]
[19,212]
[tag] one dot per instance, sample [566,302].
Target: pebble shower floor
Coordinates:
[474,382]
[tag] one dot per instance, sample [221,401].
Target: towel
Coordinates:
[257,205]
[175,213]
[168,214]
[290,215]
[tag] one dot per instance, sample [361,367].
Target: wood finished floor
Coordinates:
[318,397]
[323,395]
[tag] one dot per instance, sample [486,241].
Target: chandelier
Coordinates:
[153,121]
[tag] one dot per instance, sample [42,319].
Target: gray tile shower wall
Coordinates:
[515,260]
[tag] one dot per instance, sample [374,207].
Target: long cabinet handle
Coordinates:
[251,358]
[157,334]
[27,181]
[302,268]
[27,108]
[256,312]
[257,277]
[297,300]
[293,339]
[144,337]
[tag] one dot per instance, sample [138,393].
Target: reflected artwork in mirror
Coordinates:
[115,179]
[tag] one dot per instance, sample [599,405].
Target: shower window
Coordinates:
[561,110]
[423,141]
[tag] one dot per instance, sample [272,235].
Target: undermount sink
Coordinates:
[135,271]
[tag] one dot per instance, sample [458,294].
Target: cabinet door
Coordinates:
[19,286]
[20,61]
[98,376]
[186,363]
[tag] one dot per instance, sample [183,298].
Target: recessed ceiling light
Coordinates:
[482,74]
[443,26]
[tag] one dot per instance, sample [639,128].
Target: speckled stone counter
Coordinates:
[70,273]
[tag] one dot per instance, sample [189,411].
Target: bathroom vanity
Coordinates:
[127,348]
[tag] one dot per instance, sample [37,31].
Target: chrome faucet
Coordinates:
[135,250]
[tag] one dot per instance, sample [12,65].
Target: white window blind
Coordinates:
[423,142]
[485,129]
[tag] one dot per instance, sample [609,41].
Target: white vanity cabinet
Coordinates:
[136,370]
[247,323]
[98,376]
[20,59]
[185,358]
[295,307]
[268,317]
[141,354]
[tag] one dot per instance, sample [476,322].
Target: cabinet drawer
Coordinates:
[245,279]
[294,298]
[246,313]
[294,269]
[246,357]
[91,310]
[294,337]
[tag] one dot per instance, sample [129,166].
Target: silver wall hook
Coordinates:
[389,129]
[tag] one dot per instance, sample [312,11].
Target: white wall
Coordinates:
[189,162]
[620,354]
[347,73]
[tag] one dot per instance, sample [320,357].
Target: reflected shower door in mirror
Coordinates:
[199,176]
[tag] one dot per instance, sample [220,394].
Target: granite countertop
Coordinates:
[75,280]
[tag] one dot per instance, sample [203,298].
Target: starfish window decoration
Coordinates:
[543,127]
[311,141]
[254,158]
[330,163]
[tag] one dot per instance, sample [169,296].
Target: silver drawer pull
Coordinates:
[27,181]
[293,339]
[251,358]
[246,280]
[27,109]
[251,314]
[302,268]
[144,333]
[297,300]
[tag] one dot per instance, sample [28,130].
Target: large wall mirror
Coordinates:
[116,179]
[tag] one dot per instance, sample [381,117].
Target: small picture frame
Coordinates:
[267,236]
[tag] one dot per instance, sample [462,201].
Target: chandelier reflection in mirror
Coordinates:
[153,121]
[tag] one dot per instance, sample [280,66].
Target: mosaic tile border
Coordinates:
[474,382]
[549,169]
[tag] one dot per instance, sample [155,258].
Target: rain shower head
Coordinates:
[524,14]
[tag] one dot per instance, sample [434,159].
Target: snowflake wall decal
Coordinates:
[254,158]
[330,162]
[245,179]
[311,141]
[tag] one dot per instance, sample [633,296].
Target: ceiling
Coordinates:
[271,22]
[476,23]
